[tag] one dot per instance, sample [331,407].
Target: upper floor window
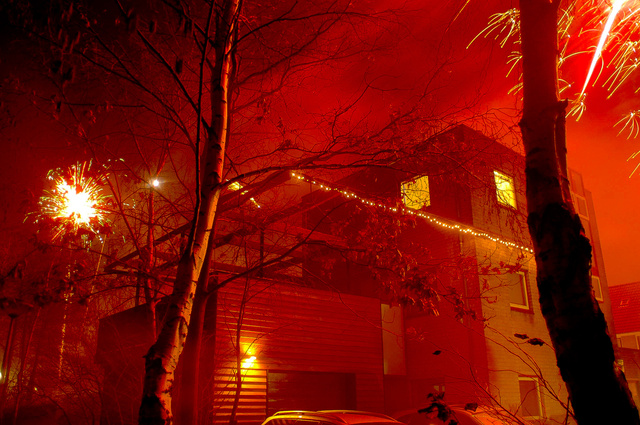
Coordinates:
[505,189]
[415,193]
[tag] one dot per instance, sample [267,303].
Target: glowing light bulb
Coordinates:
[248,362]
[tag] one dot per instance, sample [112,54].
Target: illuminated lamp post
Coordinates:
[147,255]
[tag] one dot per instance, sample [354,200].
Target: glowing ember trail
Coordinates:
[74,202]
[617,5]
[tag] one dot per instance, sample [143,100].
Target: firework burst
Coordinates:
[75,205]
[630,123]
[502,27]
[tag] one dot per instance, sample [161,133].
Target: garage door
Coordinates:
[287,390]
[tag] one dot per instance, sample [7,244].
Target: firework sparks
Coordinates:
[625,63]
[578,106]
[75,204]
[631,123]
[503,26]
[634,156]
[615,8]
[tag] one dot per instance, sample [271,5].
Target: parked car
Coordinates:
[479,416]
[329,417]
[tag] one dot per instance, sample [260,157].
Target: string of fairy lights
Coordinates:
[467,230]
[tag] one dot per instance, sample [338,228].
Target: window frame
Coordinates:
[593,288]
[581,206]
[500,177]
[524,285]
[538,394]
[621,337]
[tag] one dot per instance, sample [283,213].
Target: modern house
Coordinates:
[411,279]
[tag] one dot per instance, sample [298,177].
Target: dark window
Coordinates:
[529,397]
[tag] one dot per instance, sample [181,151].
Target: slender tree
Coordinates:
[578,330]
[162,358]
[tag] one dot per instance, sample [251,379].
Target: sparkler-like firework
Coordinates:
[615,8]
[75,205]
[616,28]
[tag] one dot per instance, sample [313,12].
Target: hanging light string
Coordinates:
[463,229]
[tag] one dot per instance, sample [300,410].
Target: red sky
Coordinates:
[594,150]
[601,157]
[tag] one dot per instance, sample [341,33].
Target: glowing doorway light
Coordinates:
[248,362]
[76,201]
[615,8]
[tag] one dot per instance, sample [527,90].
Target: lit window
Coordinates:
[505,189]
[597,288]
[518,296]
[415,193]
[529,397]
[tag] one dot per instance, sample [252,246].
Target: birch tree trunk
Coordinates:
[578,330]
[162,358]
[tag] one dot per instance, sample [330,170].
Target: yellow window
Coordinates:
[415,193]
[505,189]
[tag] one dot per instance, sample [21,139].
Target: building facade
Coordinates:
[625,304]
[348,322]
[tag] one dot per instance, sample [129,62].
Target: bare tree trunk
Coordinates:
[578,330]
[5,370]
[163,356]
[23,364]
[189,405]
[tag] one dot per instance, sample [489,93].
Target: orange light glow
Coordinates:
[248,362]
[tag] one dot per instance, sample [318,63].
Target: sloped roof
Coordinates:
[625,305]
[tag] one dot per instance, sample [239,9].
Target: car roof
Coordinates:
[357,416]
[346,417]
